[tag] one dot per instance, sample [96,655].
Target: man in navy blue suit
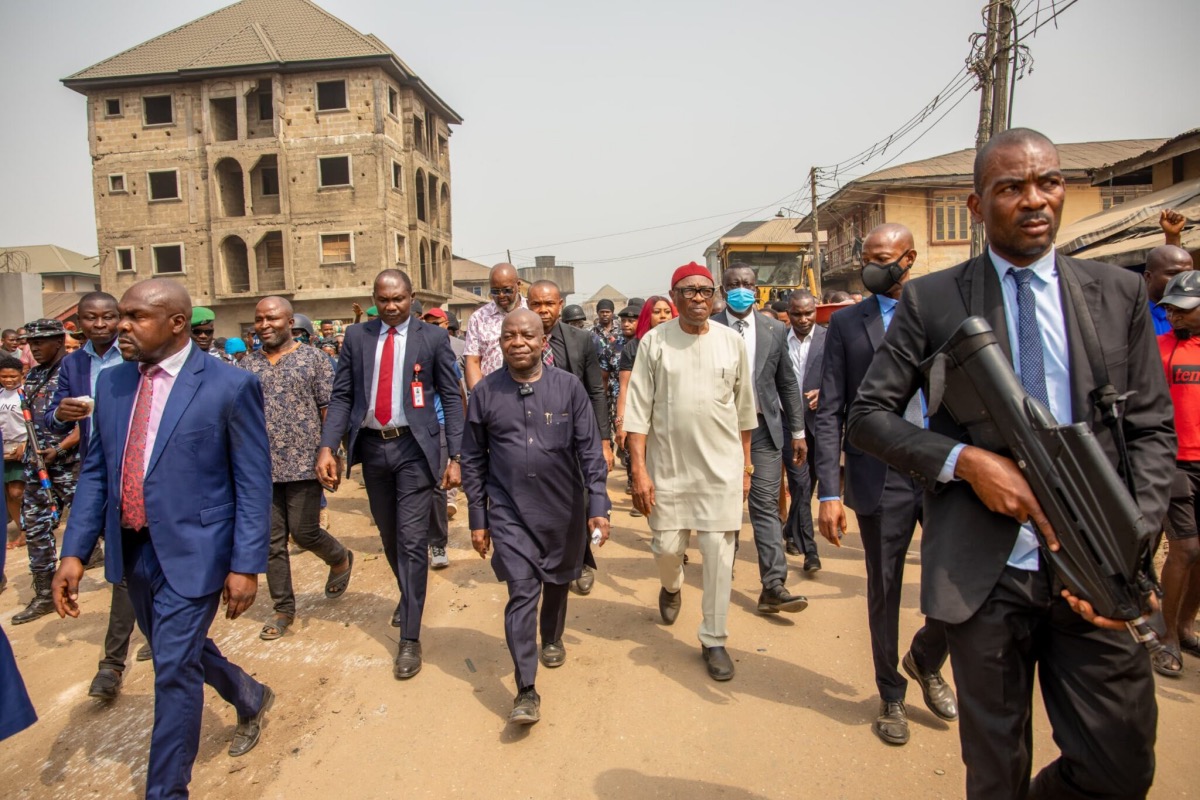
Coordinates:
[71,406]
[388,371]
[176,480]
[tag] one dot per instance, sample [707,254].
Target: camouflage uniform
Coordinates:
[609,346]
[35,509]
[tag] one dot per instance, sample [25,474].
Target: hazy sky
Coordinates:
[584,120]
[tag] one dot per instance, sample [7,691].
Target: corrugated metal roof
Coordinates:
[50,259]
[1080,156]
[60,305]
[606,292]
[247,34]
[462,269]
[773,231]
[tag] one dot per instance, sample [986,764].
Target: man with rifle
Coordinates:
[1005,609]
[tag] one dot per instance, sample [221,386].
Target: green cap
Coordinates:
[373,311]
[201,315]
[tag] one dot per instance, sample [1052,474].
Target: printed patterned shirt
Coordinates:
[295,389]
[483,336]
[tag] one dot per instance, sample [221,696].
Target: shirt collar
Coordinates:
[495,311]
[1043,269]
[173,364]
[401,329]
[792,337]
[886,304]
[109,354]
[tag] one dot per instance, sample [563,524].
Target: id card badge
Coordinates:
[418,394]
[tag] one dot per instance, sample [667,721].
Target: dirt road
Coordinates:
[632,714]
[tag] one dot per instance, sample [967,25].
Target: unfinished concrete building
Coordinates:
[268,148]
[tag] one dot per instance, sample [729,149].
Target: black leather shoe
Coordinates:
[144,653]
[97,559]
[396,615]
[106,685]
[720,665]
[553,654]
[778,598]
[892,723]
[584,583]
[527,708]
[42,602]
[939,697]
[408,660]
[812,563]
[249,729]
[668,605]
[792,550]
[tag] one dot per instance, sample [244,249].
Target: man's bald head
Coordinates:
[1162,264]
[394,277]
[519,317]
[887,244]
[889,233]
[277,302]
[504,285]
[1013,137]
[155,321]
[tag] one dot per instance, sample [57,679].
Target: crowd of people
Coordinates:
[710,404]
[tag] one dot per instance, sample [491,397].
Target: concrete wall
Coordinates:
[20,299]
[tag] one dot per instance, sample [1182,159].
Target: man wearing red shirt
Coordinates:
[1180,349]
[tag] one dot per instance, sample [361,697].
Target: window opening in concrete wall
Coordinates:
[433,200]
[419,135]
[112,107]
[230,190]
[264,185]
[401,249]
[430,129]
[270,181]
[158,110]
[331,96]
[444,208]
[421,195]
[393,102]
[266,104]
[222,117]
[236,260]
[168,259]
[268,255]
[125,259]
[335,170]
[337,248]
[116,184]
[164,184]
[397,176]
[444,275]
[424,256]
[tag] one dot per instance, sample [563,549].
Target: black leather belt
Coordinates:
[387,433]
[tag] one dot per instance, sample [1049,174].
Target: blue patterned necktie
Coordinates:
[1029,338]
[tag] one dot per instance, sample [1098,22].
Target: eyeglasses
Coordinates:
[506,292]
[691,292]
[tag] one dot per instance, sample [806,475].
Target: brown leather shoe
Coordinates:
[408,660]
[668,605]
[939,697]
[892,723]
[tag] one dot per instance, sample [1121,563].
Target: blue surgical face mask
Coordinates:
[740,299]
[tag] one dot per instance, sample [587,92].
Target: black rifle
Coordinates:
[1105,553]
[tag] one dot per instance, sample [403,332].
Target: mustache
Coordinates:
[1036,216]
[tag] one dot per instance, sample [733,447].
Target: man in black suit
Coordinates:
[572,349]
[388,372]
[776,394]
[806,351]
[982,571]
[886,501]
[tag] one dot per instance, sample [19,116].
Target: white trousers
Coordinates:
[716,548]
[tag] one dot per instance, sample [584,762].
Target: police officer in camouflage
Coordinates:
[42,509]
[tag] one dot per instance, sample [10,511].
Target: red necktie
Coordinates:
[133,469]
[383,394]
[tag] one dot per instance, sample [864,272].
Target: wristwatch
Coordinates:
[456,459]
[749,468]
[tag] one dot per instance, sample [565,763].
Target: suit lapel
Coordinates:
[124,393]
[873,321]
[182,392]
[816,351]
[366,355]
[761,338]
[1073,279]
[412,353]
[983,297]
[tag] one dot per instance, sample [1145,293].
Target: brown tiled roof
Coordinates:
[250,33]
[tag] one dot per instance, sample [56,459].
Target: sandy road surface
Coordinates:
[631,714]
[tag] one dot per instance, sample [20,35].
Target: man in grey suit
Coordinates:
[775,393]
[806,351]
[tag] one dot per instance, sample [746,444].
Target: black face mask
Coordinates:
[880,278]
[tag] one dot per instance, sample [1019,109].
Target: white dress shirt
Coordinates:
[750,335]
[798,351]
[399,382]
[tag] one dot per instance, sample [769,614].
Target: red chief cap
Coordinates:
[436,312]
[688,270]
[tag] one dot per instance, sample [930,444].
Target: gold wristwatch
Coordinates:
[749,468]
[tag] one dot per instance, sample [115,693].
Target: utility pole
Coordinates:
[816,236]
[993,74]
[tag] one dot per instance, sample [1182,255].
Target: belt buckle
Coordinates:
[389,433]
